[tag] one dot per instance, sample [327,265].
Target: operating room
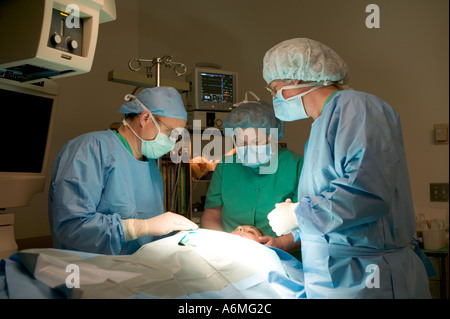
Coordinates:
[395,50]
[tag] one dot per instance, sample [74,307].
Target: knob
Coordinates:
[55,39]
[73,44]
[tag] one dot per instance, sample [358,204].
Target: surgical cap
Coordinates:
[163,101]
[304,59]
[254,114]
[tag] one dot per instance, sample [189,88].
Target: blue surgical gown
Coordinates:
[96,183]
[356,215]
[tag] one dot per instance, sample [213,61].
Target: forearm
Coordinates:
[98,233]
[327,213]
[288,244]
[212,218]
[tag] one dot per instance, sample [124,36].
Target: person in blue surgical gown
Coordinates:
[106,193]
[355,211]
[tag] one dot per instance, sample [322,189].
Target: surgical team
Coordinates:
[344,206]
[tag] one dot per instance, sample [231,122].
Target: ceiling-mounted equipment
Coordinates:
[49,39]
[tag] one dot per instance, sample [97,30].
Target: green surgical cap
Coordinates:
[306,60]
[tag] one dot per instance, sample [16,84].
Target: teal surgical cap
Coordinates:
[163,101]
[255,114]
[304,59]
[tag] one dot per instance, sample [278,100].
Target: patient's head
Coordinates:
[248,231]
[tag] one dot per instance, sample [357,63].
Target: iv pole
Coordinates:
[166,60]
[156,62]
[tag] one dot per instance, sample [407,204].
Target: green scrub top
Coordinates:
[247,197]
[124,141]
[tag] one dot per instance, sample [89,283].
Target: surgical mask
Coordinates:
[157,147]
[254,155]
[291,109]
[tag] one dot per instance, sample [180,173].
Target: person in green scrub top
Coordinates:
[246,185]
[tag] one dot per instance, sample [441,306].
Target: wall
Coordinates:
[405,62]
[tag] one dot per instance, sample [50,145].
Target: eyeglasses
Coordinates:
[276,83]
[271,90]
[173,133]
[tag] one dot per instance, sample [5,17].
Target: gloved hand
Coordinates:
[282,219]
[156,226]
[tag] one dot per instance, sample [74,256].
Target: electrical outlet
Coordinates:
[439,192]
[441,133]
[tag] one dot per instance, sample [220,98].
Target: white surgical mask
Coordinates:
[157,147]
[254,155]
[292,109]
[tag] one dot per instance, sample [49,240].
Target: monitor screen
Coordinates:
[26,121]
[28,114]
[212,90]
[216,87]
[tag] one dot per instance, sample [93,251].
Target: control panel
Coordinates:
[66,35]
[207,119]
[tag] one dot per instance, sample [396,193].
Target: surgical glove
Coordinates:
[156,226]
[282,219]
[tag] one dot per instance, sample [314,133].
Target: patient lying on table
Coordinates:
[249,232]
[190,264]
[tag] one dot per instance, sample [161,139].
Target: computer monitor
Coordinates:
[28,113]
[212,89]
